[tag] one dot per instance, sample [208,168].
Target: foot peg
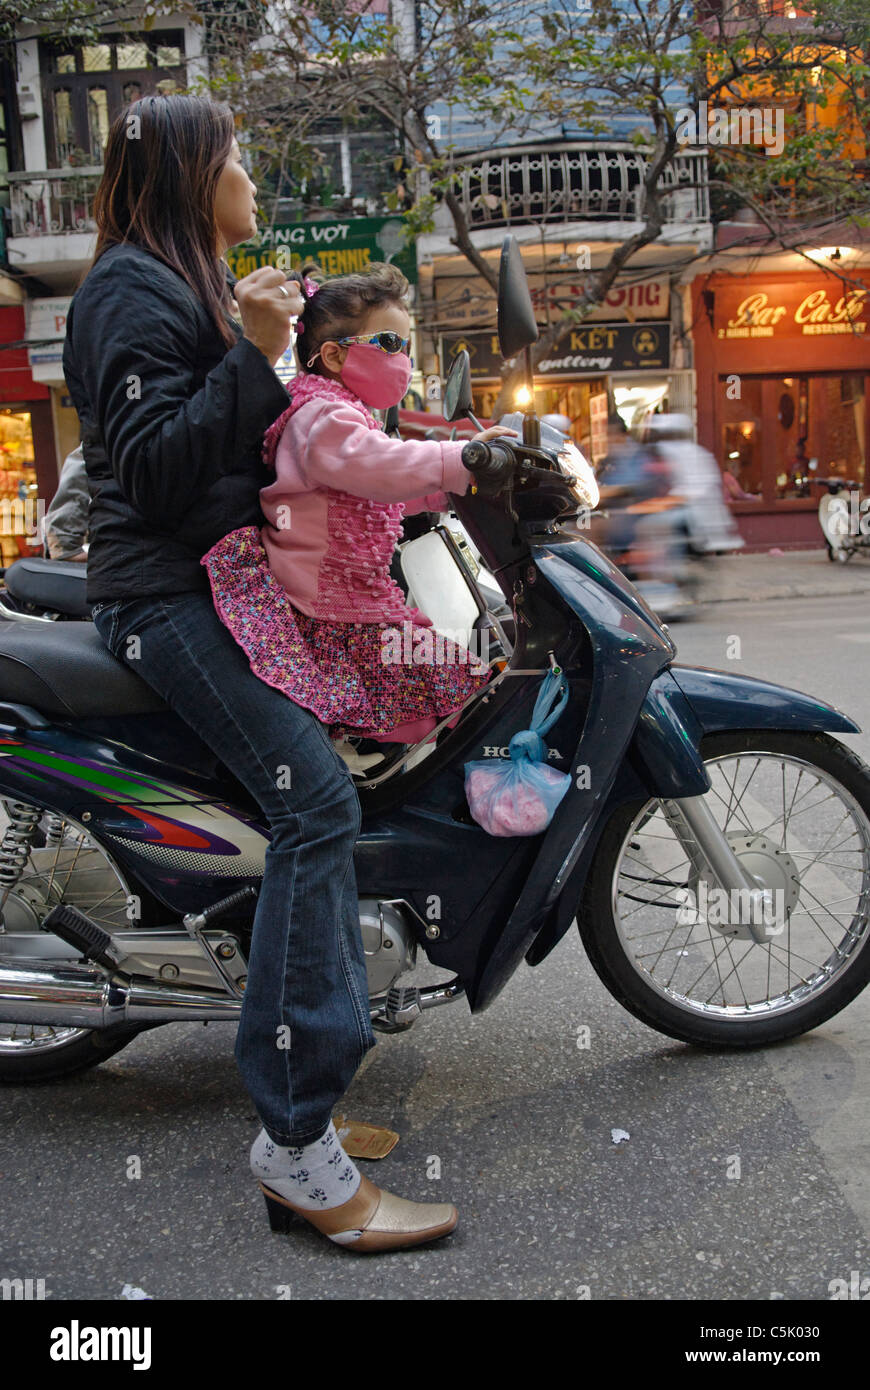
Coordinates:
[79,931]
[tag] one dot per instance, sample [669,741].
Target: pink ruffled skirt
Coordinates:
[391,682]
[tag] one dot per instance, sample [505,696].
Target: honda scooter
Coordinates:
[713,845]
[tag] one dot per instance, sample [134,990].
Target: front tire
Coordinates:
[796,800]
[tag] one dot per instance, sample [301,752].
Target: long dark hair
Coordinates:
[164,156]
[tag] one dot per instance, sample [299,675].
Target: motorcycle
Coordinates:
[843,519]
[38,590]
[713,845]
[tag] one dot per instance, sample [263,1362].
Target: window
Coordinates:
[786,433]
[96,57]
[64,128]
[85,87]
[132,55]
[98,122]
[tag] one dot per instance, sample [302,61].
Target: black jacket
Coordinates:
[172,425]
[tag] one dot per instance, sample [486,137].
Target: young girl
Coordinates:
[309,596]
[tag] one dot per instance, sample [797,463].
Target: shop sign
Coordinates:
[340,246]
[791,310]
[46,319]
[622,303]
[598,347]
[625,303]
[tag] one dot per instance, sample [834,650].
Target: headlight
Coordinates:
[574,463]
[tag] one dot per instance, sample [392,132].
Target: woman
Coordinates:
[174,399]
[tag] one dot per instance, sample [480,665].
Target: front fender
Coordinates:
[721,701]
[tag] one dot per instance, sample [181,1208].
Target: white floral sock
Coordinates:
[318,1175]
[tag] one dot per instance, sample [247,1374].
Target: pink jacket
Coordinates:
[335,509]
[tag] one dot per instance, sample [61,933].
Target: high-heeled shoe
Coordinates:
[371,1220]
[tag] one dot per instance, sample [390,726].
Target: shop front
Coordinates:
[28,469]
[783,371]
[591,365]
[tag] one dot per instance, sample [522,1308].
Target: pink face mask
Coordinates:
[380,379]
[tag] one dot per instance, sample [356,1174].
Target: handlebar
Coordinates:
[493,464]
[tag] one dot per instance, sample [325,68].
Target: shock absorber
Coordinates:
[16,843]
[54,825]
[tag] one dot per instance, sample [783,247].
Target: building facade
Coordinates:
[569,204]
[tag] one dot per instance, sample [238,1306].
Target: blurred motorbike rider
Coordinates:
[696,479]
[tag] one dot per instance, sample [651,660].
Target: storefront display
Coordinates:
[28,451]
[783,368]
[589,362]
[19,510]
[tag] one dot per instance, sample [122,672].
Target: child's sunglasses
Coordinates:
[387,342]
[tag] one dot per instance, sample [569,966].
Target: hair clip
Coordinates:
[310,286]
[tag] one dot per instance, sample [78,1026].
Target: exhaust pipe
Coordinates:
[75,996]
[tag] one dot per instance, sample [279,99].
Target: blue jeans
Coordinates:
[307,984]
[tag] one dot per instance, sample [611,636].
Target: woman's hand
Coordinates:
[493,433]
[266,311]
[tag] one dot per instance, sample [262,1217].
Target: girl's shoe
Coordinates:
[371,1220]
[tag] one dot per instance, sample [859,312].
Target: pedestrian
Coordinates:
[174,398]
[66,520]
[309,595]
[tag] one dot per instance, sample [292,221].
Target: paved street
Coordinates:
[518,1116]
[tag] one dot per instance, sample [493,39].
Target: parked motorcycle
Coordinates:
[713,844]
[39,590]
[844,517]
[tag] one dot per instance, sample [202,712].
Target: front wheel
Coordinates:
[796,809]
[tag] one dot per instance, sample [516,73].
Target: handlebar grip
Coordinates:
[475,455]
[491,464]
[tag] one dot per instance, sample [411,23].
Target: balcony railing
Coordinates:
[575,182]
[46,202]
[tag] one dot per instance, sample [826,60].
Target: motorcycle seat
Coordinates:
[65,670]
[57,586]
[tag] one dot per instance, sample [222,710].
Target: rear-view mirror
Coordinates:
[458,399]
[516,315]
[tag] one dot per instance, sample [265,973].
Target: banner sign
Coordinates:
[340,246]
[461,299]
[623,302]
[788,309]
[46,319]
[589,347]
